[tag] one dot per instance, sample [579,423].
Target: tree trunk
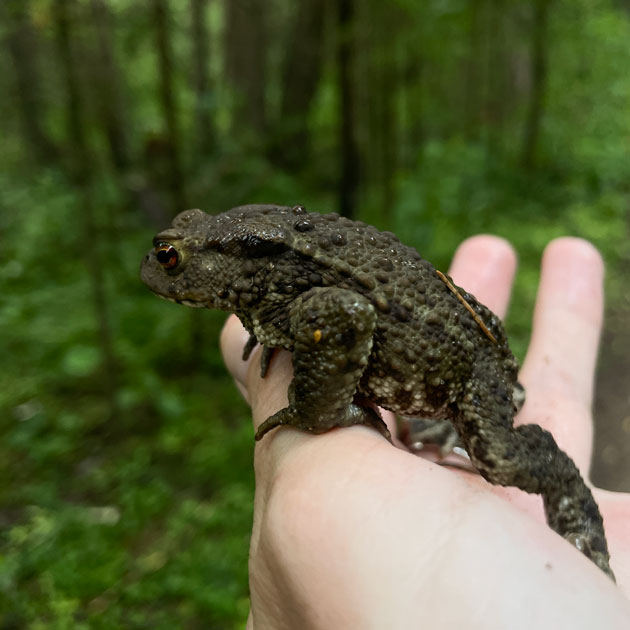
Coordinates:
[65,23]
[300,78]
[245,62]
[381,95]
[110,103]
[81,174]
[349,178]
[389,137]
[623,5]
[22,45]
[204,129]
[495,69]
[168,103]
[473,80]
[531,132]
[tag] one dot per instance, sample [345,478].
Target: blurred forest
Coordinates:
[125,452]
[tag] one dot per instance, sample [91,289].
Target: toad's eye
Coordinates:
[167,255]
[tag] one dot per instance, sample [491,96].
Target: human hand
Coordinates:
[350,532]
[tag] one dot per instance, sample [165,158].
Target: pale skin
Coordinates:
[350,532]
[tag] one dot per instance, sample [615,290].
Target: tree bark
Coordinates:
[110,102]
[300,79]
[349,177]
[204,130]
[65,23]
[531,132]
[495,70]
[473,75]
[381,96]
[23,49]
[168,103]
[623,5]
[389,133]
[81,174]
[245,62]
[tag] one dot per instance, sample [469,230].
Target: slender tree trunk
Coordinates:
[349,178]
[367,91]
[473,76]
[624,5]
[388,138]
[204,131]
[300,79]
[23,48]
[412,104]
[81,174]
[377,86]
[531,131]
[167,101]
[245,62]
[114,119]
[64,14]
[110,103]
[494,72]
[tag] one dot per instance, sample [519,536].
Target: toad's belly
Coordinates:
[417,394]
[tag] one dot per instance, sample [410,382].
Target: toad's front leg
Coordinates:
[332,330]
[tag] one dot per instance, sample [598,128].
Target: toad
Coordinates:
[371,324]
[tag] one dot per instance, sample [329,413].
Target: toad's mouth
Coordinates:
[185,302]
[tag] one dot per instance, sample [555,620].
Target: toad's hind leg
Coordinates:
[332,330]
[528,457]
[416,433]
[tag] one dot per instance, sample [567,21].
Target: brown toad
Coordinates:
[369,322]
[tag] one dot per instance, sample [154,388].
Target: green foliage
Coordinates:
[103,516]
[127,490]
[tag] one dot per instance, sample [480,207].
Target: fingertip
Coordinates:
[573,274]
[488,244]
[575,246]
[484,265]
[577,250]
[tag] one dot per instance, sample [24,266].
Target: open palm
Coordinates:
[350,532]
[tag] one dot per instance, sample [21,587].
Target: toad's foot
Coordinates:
[351,415]
[418,433]
[580,542]
[265,358]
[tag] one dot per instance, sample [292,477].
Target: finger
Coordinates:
[559,367]
[232,341]
[484,265]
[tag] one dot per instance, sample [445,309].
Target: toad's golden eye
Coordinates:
[167,255]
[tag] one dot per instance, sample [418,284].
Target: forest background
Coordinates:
[125,453]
